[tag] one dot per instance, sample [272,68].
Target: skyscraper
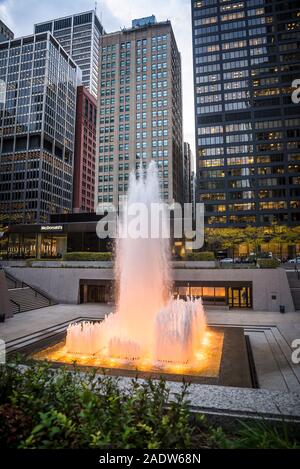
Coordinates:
[80,36]
[246,56]
[5,33]
[37,123]
[187,172]
[139,109]
[85,152]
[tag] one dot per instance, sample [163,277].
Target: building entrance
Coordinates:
[239,297]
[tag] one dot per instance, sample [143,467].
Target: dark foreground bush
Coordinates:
[45,408]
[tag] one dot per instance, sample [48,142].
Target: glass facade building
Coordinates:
[187,172]
[80,36]
[37,125]
[5,33]
[246,57]
[139,110]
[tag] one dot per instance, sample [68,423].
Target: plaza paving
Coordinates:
[270,335]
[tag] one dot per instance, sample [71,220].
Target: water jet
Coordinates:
[151,332]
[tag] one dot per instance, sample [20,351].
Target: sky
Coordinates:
[20,15]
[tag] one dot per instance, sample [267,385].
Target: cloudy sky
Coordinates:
[20,15]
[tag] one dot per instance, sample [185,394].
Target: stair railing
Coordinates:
[25,285]
[16,304]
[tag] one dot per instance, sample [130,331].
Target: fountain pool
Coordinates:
[150,330]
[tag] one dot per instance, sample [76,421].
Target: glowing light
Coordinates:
[206,361]
[150,331]
[205,341]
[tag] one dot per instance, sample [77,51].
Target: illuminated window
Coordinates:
[218,129]
[273,205]
[208,291]
[234,45]
[233,16]
[216,220]
[241,207]
[196,291]
[206,21]
[213,196]
[212,163]
[220,292]
[246,160]
[232,6]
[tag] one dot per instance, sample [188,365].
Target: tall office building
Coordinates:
[5,33]
[37,124]
[139,109]
[246,56]
[80,36]
[85,152]
[187,172]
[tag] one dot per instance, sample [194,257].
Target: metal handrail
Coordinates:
[12,279]
[17,304]
[24,284]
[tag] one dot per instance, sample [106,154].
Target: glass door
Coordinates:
[239,297]
[96,294]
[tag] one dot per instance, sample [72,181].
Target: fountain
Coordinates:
[150,330]
[147,323]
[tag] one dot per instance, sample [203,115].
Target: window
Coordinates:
[206,21]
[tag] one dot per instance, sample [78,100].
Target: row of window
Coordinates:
[140,42]
[246,126]
[250,194]
[240,207]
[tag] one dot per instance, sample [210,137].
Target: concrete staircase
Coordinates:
[23,297]
[294,282]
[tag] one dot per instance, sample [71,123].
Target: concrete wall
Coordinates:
[5,304]
[99,264]
[63,283]
[194,264]
[60,284]
[266,283]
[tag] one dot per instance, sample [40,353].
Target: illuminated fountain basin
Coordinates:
[177,336]
[150,331]
[206,364]
[182,345]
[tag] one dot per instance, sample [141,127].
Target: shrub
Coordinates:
[88,256]
[63,409]
[268,263]
[201,256]
[259,435]
[45,408]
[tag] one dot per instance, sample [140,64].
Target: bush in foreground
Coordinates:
[45,408]
[60,409]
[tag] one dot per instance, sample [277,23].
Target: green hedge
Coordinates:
[201,256]
[45,408]
[268,263]
[88,256]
